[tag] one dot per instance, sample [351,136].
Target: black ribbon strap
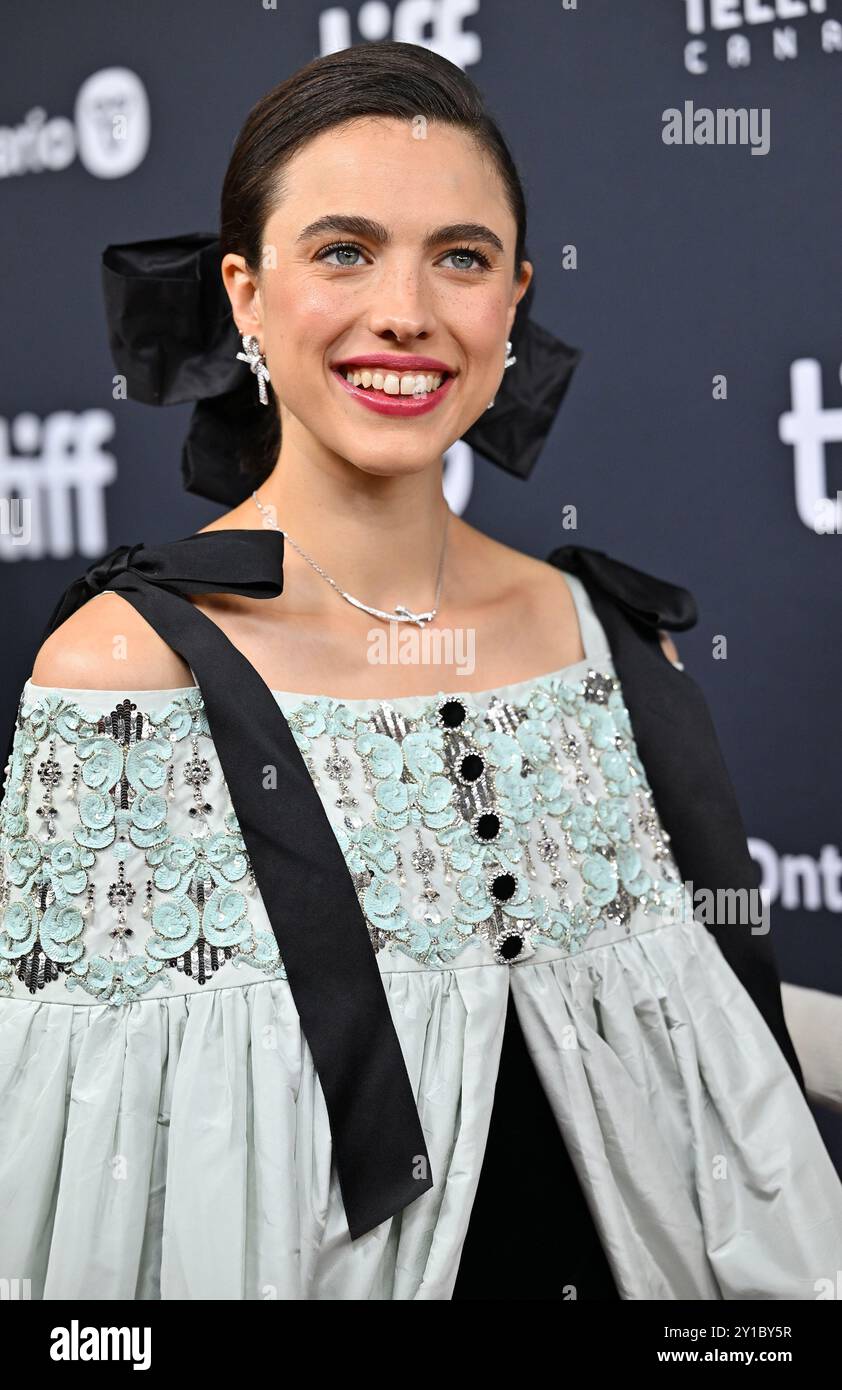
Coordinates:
[381,1157]
[678,746]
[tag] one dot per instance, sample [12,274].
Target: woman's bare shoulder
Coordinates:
[243,517]
[107,645]
[543,591]
[536,583]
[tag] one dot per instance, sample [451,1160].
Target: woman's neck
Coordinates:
[379,538]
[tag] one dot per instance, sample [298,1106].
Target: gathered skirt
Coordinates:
[615,1123]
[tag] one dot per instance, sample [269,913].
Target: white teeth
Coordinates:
[394,383]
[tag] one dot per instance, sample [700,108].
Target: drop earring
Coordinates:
[257,362]
[509,362]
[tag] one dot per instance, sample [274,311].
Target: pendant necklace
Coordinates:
[401,614]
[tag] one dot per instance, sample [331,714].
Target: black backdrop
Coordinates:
[692,262]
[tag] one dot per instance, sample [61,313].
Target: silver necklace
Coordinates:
[402,614]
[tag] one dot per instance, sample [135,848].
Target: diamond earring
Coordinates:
[254,357]
[509,362]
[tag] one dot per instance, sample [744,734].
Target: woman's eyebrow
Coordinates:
[337,223]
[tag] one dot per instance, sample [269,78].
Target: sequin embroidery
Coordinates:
[484,793]
[513,824]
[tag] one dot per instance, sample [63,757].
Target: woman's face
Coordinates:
[391,255]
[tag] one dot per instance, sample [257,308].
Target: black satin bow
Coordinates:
[195,565]
[381,1156]
[651,601]
[679,749]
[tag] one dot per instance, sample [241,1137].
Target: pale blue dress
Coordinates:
[163,1134]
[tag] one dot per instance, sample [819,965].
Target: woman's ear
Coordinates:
[243,291]
[521,286]
[669,649]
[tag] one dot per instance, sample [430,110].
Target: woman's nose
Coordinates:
[401,308]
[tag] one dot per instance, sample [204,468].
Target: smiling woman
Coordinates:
[377,984]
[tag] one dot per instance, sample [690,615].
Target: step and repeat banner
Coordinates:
[681,160]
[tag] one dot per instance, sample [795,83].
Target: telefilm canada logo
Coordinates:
[109,132]
[730,33]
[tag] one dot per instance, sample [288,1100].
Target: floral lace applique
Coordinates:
[114,778]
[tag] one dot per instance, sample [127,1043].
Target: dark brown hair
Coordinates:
[373,79]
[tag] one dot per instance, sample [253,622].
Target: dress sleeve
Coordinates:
[121,859]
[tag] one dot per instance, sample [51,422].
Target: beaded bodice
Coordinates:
[487,827]
[511,816]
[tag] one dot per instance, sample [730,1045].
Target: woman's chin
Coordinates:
[378,465]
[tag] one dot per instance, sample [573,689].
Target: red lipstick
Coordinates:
[379,401]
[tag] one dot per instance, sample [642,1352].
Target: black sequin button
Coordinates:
[510,945]
[451,713]
[471,767]
[502,887]
[486,826]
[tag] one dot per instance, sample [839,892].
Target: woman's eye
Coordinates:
[463,254]
[340,248]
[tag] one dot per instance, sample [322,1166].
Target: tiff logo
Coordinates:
[434,24]
[55,459]
[808,426]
